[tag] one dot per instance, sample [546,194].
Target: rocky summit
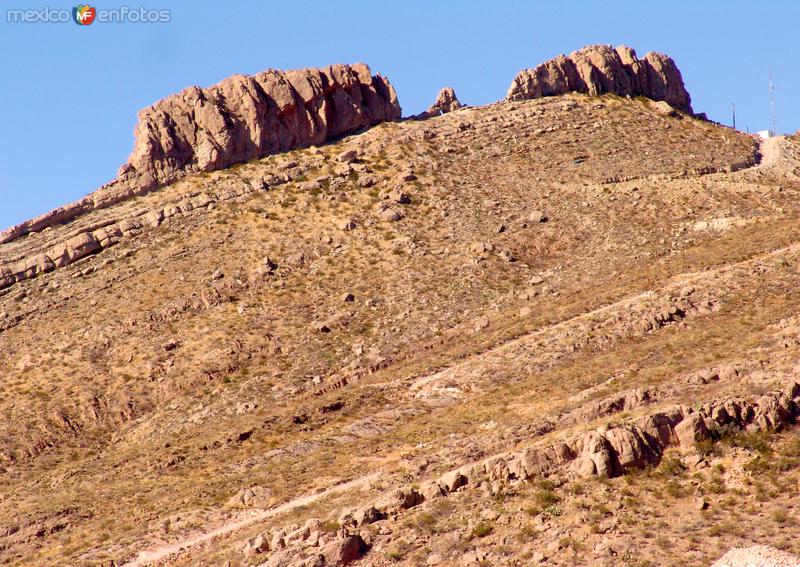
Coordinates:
[246,117]
[241,118]
[599,69]
[299,330]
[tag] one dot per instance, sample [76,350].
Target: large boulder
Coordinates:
[599,69]
[691,430]
[344,551]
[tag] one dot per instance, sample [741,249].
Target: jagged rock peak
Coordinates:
[598,69]
[446,101]
[244,117]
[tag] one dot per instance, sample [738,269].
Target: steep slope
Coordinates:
[365,348]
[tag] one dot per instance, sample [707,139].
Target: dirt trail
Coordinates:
[770,150]
[153,555]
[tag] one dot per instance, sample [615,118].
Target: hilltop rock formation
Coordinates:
[446,101]
[244,117]
[599,69]
[240,118]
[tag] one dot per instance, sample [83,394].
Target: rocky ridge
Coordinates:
[240,118]
[609,451]
[599,69]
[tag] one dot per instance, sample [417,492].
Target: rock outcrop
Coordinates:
[244,117]
[446,101]
[608,451]
[241,118]
[599,69]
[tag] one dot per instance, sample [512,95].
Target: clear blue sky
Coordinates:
[71,93]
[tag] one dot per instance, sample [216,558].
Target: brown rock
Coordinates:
[599,69]
[347,224]
[391,215]
[691,430]
[244,117]
[632,448]
[397,196]
[453,481]
[446,101]
[344,551]
[348,156]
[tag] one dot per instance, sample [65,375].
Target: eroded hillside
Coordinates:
[555,330]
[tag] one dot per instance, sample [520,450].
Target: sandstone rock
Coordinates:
[244,117]
[321,326]
[251,497]
[596,456]
[344,551]
[397,196]
[632,448]
[347,224]
[391,215]
[453,481]
[480,248]
[446,101]
[599,69]
[399,500]
[347,156]
[537,217]
[368,515]
[691,430]
[367,181]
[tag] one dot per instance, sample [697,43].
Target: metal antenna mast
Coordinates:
[772,102]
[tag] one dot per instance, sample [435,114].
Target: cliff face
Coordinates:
[244,117]
[598,69]
[240,118]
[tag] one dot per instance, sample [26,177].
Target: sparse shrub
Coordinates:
[571,543]
[671,466]
[554,510]
[546,497]
[482,529]
[708,448]
[781,516]
[577,489]
[675,489]
[330,526]
[757,441]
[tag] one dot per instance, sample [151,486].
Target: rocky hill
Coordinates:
[560,331]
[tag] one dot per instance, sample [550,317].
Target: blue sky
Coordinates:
[71,93]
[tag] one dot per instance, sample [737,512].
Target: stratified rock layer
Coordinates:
[240,118]
[599,69]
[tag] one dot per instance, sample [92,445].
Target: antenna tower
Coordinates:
[772,103]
